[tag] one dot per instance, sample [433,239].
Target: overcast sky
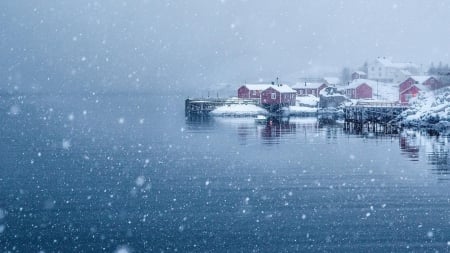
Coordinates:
[178,45]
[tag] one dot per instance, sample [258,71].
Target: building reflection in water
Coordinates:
[275,128]
[199,122]
[437,152]
[435,145]
[409,145]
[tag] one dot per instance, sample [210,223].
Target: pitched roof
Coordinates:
[282,88]
[260,87]
[418,85]
[387,62]
[357,82]
[420,79]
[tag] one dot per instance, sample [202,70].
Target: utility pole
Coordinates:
[378,96]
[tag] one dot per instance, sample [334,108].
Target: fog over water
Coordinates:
[173,46]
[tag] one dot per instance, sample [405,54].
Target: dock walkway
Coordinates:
[203,106]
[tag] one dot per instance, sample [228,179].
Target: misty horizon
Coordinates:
[172,47]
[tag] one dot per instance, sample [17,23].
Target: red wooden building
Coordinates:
[414,84]
[306,88]
[278,95]
[358,89]
[252,90]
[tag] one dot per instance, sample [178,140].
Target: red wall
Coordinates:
[406,84]
[413,91]
[266,97]
[309,91]
[363,91]
[286,98]
[433,83]
[243,92]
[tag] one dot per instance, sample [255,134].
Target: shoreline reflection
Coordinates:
[415,145]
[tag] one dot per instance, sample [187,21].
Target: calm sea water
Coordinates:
[129,173]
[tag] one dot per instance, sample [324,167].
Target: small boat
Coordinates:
[260,119]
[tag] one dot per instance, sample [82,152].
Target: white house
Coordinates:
[383,69]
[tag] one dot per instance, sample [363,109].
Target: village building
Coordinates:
[281,95]
[268,94]
[413,85]
[383,69]
[252,91]
[309,88]
[359,75]
[359,89]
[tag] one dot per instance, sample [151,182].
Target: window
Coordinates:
[273,96]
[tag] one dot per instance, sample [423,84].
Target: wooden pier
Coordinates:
[373,116]
[203,106]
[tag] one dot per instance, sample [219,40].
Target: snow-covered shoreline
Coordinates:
[304,106]
[429,110]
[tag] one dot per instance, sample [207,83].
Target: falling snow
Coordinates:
[99,155]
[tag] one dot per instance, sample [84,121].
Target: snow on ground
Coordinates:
[304,105]
[299,110]
[308,100]
[238,110]
[386,91]
[429,108]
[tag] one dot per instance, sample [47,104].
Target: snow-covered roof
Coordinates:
[357,82]
[420,79]
[418,85]
[387,62]
[360,73]
[260,87]
[307,85]
[282,88]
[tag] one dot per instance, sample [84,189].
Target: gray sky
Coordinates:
[173,46]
